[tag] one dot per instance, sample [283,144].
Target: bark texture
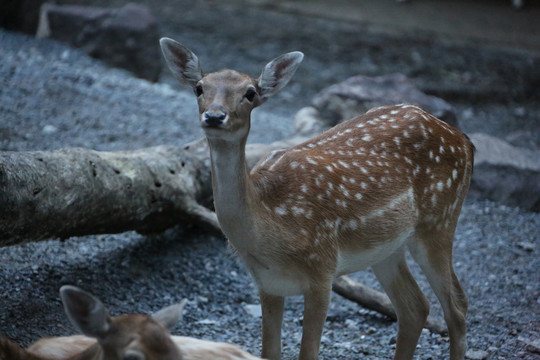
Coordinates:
[76,191]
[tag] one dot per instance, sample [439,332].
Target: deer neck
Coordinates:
[232,189]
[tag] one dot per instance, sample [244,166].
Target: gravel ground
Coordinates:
[52,96]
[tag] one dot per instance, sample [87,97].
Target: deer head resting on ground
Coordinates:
[125,337]
[355,196]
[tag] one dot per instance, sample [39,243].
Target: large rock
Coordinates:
[358,94]
[505,173]
[127,37]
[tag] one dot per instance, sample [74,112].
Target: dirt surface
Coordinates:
[46,86]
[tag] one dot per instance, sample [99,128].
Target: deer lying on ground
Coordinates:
[126,337]
[356,196]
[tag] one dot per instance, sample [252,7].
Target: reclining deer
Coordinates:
[355,196]
[126,337]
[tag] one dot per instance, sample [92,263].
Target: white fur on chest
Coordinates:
[276,281]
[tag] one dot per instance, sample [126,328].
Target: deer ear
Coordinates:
[182,62]
[277,73]
[171,315]
[86,312]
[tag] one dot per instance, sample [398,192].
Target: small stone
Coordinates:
[476,354]
[49,129]
[253,310]
[525,245]
[532,346]
[351,324]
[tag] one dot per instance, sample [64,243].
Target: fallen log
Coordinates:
[377,301]
[76,191]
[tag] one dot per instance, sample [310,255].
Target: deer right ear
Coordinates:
[86,312]
[182,62]
[170,315]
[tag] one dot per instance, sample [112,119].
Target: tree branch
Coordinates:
[377,301]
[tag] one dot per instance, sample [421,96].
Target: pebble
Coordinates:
[253,310]
[525,245]
[351,324]
[49,129]
[476,354]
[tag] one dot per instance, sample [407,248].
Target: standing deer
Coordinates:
[355,196]
[126,337]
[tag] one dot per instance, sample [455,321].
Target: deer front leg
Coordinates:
[316,303]
[272,317]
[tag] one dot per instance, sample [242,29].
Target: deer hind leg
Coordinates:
[436,263]
[272,317]
[316,302]
[411,305]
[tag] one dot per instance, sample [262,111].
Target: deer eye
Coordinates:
[250,94]
[198,90]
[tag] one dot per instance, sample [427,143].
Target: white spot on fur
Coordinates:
[344,190]
[352,224]
[366,137]
[311,161]
[341,203]
[281,210]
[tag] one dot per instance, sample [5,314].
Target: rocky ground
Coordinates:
[52,96]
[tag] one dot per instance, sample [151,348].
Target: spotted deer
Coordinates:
[125,337]
[355,196]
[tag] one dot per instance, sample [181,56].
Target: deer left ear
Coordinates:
[86,312]
[171,315]
[277,73]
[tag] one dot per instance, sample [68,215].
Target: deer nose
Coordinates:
[214,117]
